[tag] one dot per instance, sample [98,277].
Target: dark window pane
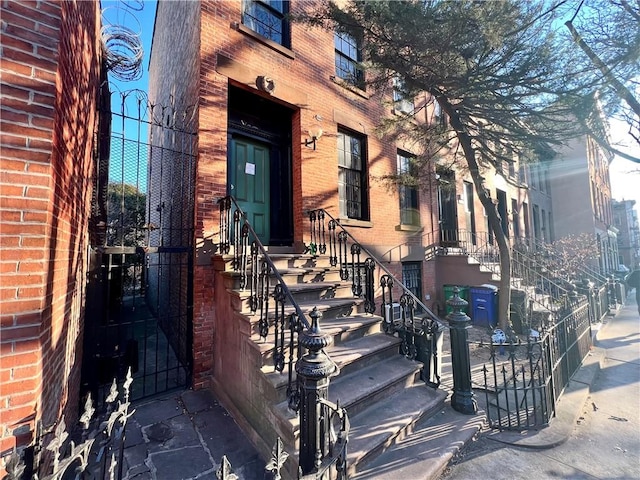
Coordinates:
[347,59]
[409,201]
[351,176]
[267,18]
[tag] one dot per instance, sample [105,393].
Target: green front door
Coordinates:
[249,183]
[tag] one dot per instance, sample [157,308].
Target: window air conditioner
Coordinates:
[392,313]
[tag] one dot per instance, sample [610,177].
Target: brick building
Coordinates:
[625,216]
[51,72]
[582,200]
[270,87]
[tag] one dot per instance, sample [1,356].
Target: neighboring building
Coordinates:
[581,193]
[51,74]
[625,216]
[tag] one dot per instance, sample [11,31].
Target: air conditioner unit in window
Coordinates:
[392,313]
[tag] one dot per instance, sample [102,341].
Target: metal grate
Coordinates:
[139,295]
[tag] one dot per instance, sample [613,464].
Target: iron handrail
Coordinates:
[405,290]
[265,257]
[478,246]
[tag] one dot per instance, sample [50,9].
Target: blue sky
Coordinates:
[128,140]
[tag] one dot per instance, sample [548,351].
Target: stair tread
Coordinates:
[306,306]
[427,451]
[343,354]
[357,385]
[350,389]
[332,326]
[379,424]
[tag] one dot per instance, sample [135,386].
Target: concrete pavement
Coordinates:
[184,436]
[596,434]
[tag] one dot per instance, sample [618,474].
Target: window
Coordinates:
[401,101]
[409,202]
[352,189]
[536,222]
[439,118]
[268,18]
[348,57]
[412,278]
[515,215]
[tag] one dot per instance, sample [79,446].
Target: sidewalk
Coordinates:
[596,432]
[184,436]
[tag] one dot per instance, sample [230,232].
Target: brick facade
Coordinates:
[50,77]
[231,57]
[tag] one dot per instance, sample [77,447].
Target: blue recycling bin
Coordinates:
[484,305]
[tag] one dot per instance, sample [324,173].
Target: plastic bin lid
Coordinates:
[488,286]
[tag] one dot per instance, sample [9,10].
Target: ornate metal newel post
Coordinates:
[462,399]
[314,370]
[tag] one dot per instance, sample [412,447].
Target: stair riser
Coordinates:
[280,261]
[243,305]
[232,279]
[371,358]
[328,314]
[300,262]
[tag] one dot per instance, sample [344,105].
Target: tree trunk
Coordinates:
[504,298]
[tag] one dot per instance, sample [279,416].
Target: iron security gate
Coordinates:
[140,288]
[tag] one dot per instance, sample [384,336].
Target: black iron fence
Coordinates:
[96,451]
[411,320]
[321,448]
[523,380]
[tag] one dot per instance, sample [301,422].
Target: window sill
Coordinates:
[409,228]
[352,222]
[350,87]
[265,41]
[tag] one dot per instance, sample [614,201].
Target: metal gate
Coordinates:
[140,286]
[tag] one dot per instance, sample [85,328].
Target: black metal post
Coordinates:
[314,370]
[462,399]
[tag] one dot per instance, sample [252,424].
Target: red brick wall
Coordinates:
[50,70]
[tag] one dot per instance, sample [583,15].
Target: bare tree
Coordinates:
[607,32]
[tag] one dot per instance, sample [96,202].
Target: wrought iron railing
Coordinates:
[97,453]
[547,293]
[251,261]
[415,324]
[522,390]
[544,254]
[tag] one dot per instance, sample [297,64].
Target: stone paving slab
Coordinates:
[184,436]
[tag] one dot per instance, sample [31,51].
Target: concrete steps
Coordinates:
[380,389]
